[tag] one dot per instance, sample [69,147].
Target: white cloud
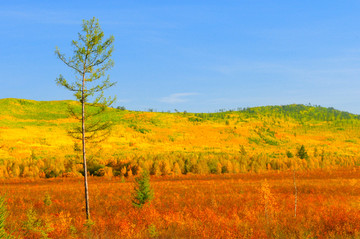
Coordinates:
[177,98]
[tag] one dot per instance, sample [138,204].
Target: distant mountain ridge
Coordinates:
[58,109]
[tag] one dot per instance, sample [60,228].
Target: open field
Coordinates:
[215,175]
[194,123]
[193,206]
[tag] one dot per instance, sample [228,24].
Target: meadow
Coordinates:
[252,205]
[228,174]
[34,142]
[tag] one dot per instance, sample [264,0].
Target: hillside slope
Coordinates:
[34,140]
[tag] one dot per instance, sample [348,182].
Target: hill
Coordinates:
[34,140]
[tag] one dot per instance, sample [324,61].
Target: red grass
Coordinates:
[193,206]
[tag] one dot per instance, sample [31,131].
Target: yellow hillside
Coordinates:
[34,140]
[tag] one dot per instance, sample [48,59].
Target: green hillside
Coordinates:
[34,134]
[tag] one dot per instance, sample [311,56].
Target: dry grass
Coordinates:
[193,206]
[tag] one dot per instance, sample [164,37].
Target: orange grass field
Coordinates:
[214,175]
[208,206]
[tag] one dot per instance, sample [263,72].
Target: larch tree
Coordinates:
[143,192]
[90,61]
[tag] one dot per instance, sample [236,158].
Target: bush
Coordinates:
[165,168]
[155,169]
[302,154]
[94,169]
[47,199]
[3,216]
[289,154]
[34,227]
[176,169]
[143,193]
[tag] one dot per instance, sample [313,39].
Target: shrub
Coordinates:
[152,231]
[302,154]
[143,193]
[200,167]
[289,154]
[165,168]
[3,216]
[34,227]
[155,169]
[227,167]
[47,199]
[176,169]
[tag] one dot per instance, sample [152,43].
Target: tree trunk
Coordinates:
[295,191]
[84,151]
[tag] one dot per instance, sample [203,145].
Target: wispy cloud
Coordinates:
[327,70]
[41,16]
[177,98]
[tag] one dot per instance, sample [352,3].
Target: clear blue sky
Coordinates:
[194,55]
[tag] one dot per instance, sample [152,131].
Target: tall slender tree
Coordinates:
[91,59]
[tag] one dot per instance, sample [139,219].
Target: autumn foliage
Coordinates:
[228,174]
[209,206]
[34,142]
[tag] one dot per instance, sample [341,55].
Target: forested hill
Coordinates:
[299,112]
[303,112]
[250,139]
[43,110]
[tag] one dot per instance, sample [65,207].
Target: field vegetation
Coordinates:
[251,205]
[34,142]
[265,172]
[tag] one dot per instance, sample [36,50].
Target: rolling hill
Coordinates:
[34,140]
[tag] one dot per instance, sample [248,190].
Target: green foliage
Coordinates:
[351,141]
[94,168]
[143,192]
[73,230]
[89,224]
[214,166]
[267,135]
[121,108]
[34,226]
[153,233]
[302,154]
[301,113]
[3,216]
[139,129]
[47,199]
[194,119]
[32,113]
[242,150]
[255,140]
[289,154]
[90,61]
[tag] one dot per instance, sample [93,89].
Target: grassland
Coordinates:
[215,175]
[34,140]
[192,206]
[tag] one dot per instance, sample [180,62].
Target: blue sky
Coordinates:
[198,56]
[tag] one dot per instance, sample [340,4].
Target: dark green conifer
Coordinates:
[143,192]
[302,154]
